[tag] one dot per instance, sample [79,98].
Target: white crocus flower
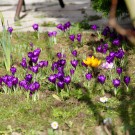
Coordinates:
[103,99]
[107,65]
[54,125]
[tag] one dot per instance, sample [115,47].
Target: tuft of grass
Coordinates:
[48,24]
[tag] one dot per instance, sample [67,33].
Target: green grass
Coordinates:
[48,24]
[78,113]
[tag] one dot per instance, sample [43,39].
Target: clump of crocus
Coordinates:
[64,27]
[52,37]
[102,48]
[42,64]
[92,61]
[110,57]
[10,81]
[34,56]
[78,37]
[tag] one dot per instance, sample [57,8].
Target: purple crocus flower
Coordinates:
[60,76]
[112,54]
[10,77]
[61,69]
[116,82]
[67,79]
[61,84]
[5,78]
[72,37]
[37,85]
[10,30]
[59,55]
[50,34]
[88,76]
[22,83]
[79,36]
[28,77]
[23,63]
[52,78]
[99,49]
[61,62]
[35,27]
[13,70]
[104,50]
[15,81]
[119,70]
[30,54]
[59,26]
[94,27]
[42,64]
[116,42]
[36,52]
[119,54]
[54,33]
[83,64]
[74,53]
[67,25]
[109,59]
[72,71]
[54,66]
[34,69]
[32,87]
[106,46]
[106,31]
[74,63]
[101,79]
[26,86]
[34,59]
[127,80]
[9,84]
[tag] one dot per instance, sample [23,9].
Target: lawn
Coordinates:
[84,82]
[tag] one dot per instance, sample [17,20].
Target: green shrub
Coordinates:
[104,6]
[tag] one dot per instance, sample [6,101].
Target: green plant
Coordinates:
[104,7]
[6,45]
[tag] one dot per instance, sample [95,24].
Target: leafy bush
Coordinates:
[104,6]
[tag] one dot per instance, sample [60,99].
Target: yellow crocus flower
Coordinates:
[92,62]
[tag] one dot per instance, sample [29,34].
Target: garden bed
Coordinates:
[90,98]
